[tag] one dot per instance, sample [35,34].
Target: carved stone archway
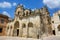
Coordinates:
[30,29]
[16,29]
[30,24]
[58,27]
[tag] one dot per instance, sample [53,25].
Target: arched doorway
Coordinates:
[54,32]
[58,27]
[30,29]
[16,29]
[23,29]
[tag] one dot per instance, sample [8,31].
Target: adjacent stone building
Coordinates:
[3,24]
[56,23]
[30,24]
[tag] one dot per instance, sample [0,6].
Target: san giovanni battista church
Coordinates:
[30,24]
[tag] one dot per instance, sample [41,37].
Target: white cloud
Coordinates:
[6,13]
[52,3]
[33,9]
[7,4]
[14,4]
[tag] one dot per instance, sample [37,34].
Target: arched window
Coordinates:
[18,12]
[16,25]
[26,12]
[59,28]
[23,25]
[11,27]
[1,29]
[30,24]
[7,27]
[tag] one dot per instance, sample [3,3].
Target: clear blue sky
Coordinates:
[8,7]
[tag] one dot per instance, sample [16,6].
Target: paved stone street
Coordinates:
[18,38]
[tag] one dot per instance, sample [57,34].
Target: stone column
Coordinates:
[9,31]
[27,29]
[35,31]
[12,30]
[20,29]
[24,33]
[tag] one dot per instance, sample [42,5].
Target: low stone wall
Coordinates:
[18,38]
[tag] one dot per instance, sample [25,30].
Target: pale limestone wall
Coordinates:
[56,23]
[36,18]
[32,31]
[36,25]
[8,30]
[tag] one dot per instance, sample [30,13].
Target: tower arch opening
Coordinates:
[16,29]
[58,27]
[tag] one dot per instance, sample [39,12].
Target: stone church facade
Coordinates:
[30,24]
[56,23]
